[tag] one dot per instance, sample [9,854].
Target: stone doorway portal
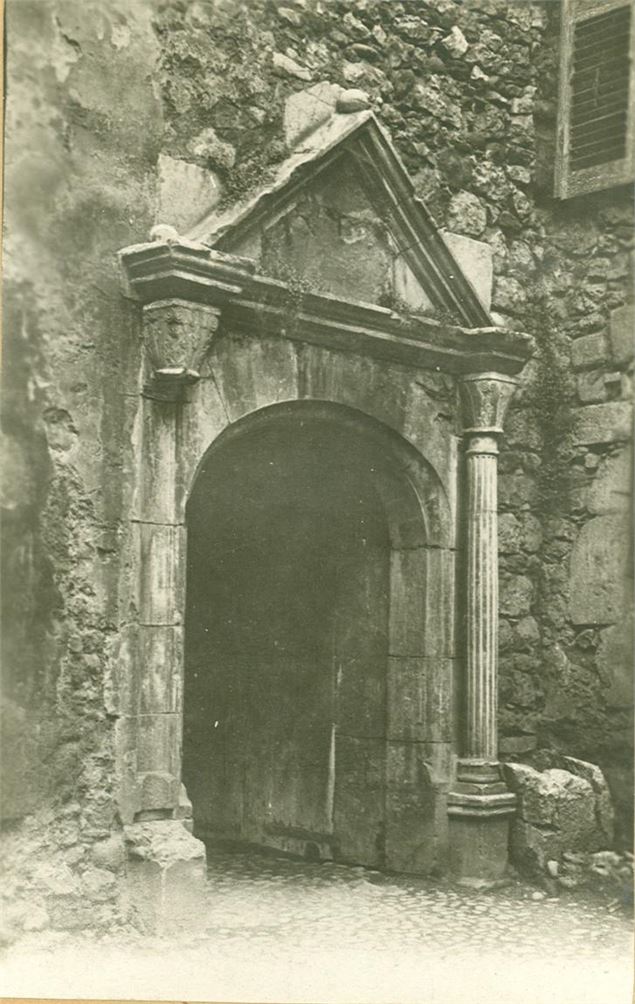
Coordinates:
[399,768]
[285,717]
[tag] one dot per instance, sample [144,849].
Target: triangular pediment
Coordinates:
[340,216]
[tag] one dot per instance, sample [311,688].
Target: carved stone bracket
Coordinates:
[177,335]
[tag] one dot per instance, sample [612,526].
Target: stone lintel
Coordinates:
[187,271]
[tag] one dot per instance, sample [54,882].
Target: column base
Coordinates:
[166,876]
[480,807]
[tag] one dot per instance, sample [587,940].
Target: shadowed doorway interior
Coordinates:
[287,641]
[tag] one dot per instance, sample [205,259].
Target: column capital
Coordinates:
[177,335]
[485,397]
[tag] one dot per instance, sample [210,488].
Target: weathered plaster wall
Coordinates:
[125,114]
[80,178]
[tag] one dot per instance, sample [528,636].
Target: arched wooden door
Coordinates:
[288,589]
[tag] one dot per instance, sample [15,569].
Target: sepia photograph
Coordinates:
[316,467]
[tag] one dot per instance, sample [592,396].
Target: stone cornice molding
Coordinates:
[256,304]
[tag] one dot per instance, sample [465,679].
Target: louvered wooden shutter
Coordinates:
[596,138]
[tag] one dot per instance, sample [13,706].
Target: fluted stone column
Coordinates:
[482,599]
[480,803]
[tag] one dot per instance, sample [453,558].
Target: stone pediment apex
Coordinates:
[348,170]
[333,246]
[252,303]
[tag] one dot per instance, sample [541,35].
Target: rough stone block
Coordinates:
[166,876]
[508,533]
[186,193]
[466,213]
[427,427]
[603,423]
[358,382]
[201,421]
[344,249]
[440,759]
[252,373]
[509,295]
[410,810]
[354,73]
[98,884]
[527,632]
[206,144]
[419,698]
[362,684]
[614,660]
[184,810]
[592,387]
[57,879]
[455,43]
[110,853]
[599,571]
[402,512]
[520,743]
[407,608]
[160,669]
[406,766]
[547,758]
[620,782]
[604,816]
[475,259]
[622,333]
[284,66]
[158,743]
[407,711]
[612,486]
[521,430]
[305,110]
[407,288]
[410,830]
[516,595]
[479,849]
[440,607]
[20,766]
[516,489]
[129,794]
[70,912]
[147,670]
[562,808]
[352,100]
[588,351]
[161,573]
[158,791]
[358,815]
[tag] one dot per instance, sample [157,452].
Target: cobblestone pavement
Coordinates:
[284,930]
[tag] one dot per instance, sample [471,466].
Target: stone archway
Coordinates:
[308,696]
[221,344]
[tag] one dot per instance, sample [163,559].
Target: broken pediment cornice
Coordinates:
[260,305]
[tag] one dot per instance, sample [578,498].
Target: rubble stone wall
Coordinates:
[125,114]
